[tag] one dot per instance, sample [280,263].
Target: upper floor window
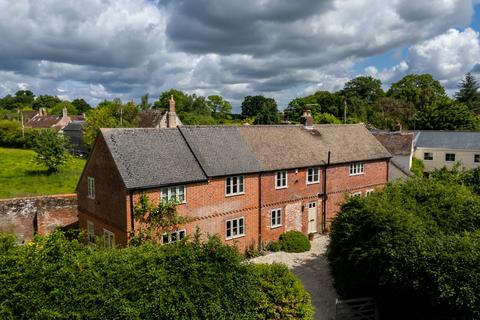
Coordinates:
[175,193]
[281,179]
[234,185]
[108,238]
[276,218]
[476,158]
[313,175]
[369,192]
[90,232]
[234,228]
[428,156]
[91,187]
[356,168]
[449,156]
[173,236]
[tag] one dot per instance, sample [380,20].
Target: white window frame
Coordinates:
[357,168]
[177,234]
[239,227]
[369,192]
[281,179]
[90,232]
[454,157]
[356,194]
[313,175]
[476,158]
[170,194]
[427,153]
[90,187]
[108,238]
[276,218]
[234,181]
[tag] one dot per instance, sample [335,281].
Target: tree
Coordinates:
[419,89]
[468,93]
[57,110]
[24,97]
[326,118]
[220,108]
[81,105]
[365,88]
[163,101]
[263,109]
[45,101]
[445,114]
[144,104]
[109,114]
[51,149]
[388,111]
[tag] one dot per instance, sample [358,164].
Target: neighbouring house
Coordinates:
[438,149]
[43,121]
[26,115]
[74,132]
[156,118]
[248,184]
[400,145]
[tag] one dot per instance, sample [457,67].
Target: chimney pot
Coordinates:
[307,119]
[64,112]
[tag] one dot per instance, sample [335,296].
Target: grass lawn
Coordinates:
[21,176]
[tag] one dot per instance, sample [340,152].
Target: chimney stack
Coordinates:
[172,116]
[398,126]
[307,119]
[64,113]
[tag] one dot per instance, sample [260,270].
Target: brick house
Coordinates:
[248,184]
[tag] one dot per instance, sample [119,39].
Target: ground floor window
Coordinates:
[174,236]
[276,218]
[234,228]
[369,192]
[90,232]
[356,194]
[108,238]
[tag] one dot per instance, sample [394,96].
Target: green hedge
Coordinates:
[294,241]
[415,247]
[54,278]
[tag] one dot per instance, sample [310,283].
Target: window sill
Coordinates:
[276,226]
[315,182]
[234,194]
[356,174]
[235,237]
[280,188]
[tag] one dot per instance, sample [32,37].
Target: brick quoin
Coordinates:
[208,208]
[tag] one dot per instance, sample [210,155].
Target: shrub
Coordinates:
[415,247]
[53,278]
[294,241]
[282,295]
[274,246]
[418,167]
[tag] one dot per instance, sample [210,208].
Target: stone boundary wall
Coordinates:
[43,214]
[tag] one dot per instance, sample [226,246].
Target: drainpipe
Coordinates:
[132,218]
[260,211]
[325,196]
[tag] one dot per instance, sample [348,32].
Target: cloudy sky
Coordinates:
[100,49]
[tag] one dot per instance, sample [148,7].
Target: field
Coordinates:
[20,176]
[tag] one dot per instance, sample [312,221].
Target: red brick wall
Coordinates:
[340,184]
[44,214]
[209,208]
[292,200]
[111,201]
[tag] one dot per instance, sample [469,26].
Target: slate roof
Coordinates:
[155,157]
[152,157]
[397,143]
[463,140]
[75,126]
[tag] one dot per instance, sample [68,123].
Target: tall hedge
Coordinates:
[54,278]
[415,247]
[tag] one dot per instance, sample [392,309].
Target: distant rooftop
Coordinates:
[462,140]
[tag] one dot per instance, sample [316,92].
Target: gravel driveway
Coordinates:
[312,269]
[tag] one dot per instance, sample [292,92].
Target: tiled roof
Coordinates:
[150,118]
[397,143]
[152,157]
[75,126]
[463,140]
[39,122]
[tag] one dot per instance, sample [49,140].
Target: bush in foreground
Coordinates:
[415,247]
[294,241]
[53,278]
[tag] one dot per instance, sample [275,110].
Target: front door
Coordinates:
[312,217]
